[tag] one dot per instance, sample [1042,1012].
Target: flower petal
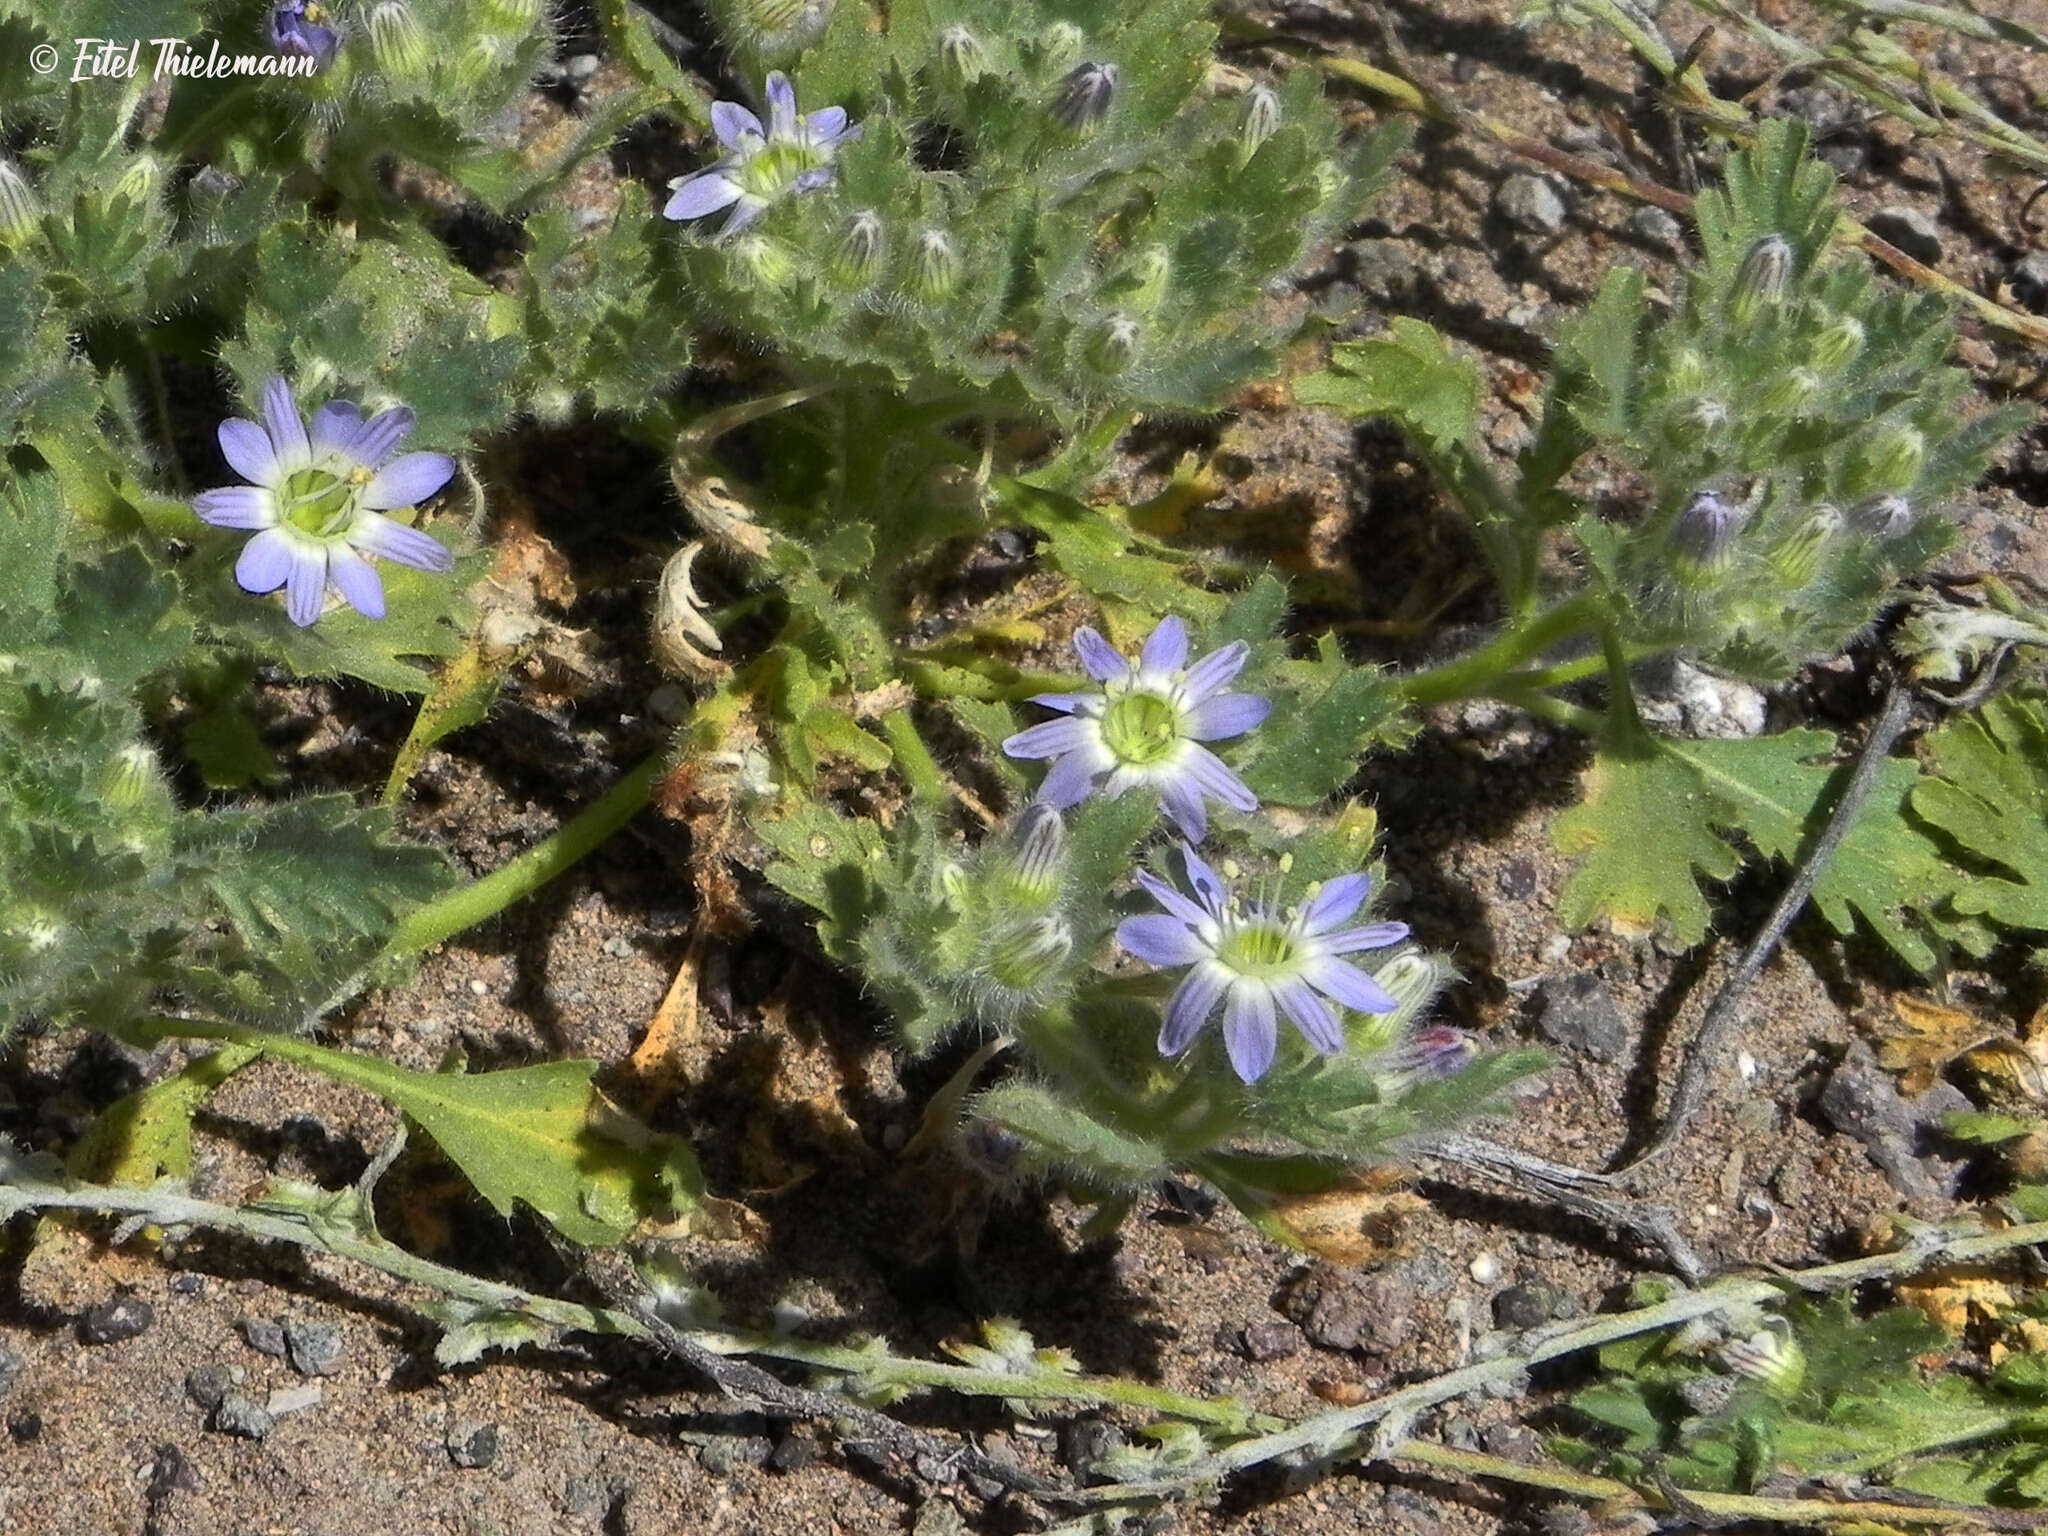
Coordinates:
[265,562]
[378,535]
[1337,900]
[380,436]
[1160,940]
[1166,648]
[734,123]
[237,506]
[1223,715]
[1171,899]
[1069,781]
[1105,663]
[1371,936]
[1311,1015]
[1189,1008]
[1249,1033]
[305,586]
[407,481]
[1054,738]
[744,213]
[336,425]
[826,125]
[781,106]
[357,581]
[695,196]
[1065,703]
[247,449]
[1213,671]
[1209,886]
[1182,802]
[287,430]
[1348,985]
[1205,770]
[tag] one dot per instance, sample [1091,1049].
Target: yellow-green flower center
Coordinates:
[774,168]
[319,502]
[1264,951]
[1141,729]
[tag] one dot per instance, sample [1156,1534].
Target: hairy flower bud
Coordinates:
[1258,118]
[1791,393]
[509,18]
[1883,517]
[1837,346]
[1797,557]
[142,181]
[962,58]
[934,267]
[859,255]
[1113,344]
[130,778]
[1038,858]
[1691,419]
[21,211]
[764,263]
[1150,276]
[1889,461]
[1762,278]
[1085,96]
[775,28]
[1705,533]
[1770,1357]
[397,42]
[1687,375]
[1021,957]
[1059,45]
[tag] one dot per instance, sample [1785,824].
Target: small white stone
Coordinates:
[1485,1268]
[292,1399]
[1746,1064]
[1556,947]
[477,986]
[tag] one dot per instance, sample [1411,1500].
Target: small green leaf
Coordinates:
[1409,374]
[147,1135]
[1992,798]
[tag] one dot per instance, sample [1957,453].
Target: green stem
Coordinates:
[983,678]
[490,895]
[1477,674]
[1558,712]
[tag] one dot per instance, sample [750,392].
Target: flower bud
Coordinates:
[1085,95]
[1059,45]
[141,181]
[1429,1056]
[1150,276]
[1690,420]
[1762,278]
[1039,841]
[1797,557]
[1883,517]
[1836,347]
[934,267]
[1790,393]
[1687,375]
[1112,344]
[764,263]
[1889,461]
[1258,117]
[21,211]
[993,1151]
[509,18]
[859,255]
[1021,957]
[1770,1356]
[962,58]
[1705,533]
[777,28]
[397,42]
[129,778]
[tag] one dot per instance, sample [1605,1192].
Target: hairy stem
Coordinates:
[1477,674]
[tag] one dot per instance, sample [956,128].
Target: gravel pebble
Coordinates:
[472,1443]
[792,1453]
[1341,1311]
[1531,1305]
[1085,1441]
[2029,282]
[238,1415]
[719,1454]
[1530,203]
[11,1366]
[116,1321]
[25,1426]
[315,1348]
[1860,1100]
[293,1399]
[1271,1341]
[207,1384]
[1910,229]
[1577,1013]
[1659,227]
[264,1335]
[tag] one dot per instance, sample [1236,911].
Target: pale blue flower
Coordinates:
[793,154]
[1258,962]
[316,500]
[1146,726]
[298,29]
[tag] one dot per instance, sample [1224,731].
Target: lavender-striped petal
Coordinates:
[1054,738]
[1190,1006]
[305,587]
[1065,703]
[695,196]
[1311,1015]
[407,481]
[826,125]
[287,432]
[1182,802]
[1209,886]
[336,426]
[1160,940]
[237,506]
[781,107]
[1205,770]
[1069,780]
[1337,900]
[1249,1033]
[265,562]
[356,580]
[1348,985]
[1371,936]
[377,535]
[1183,909]
[247,449]
[1223,715]
[1166,648]
[1105,663]
[1215,670]
[734,123]
[381,435]
[743,215]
